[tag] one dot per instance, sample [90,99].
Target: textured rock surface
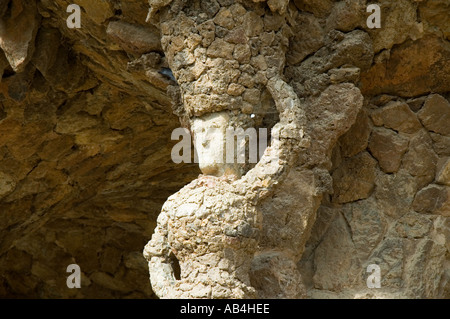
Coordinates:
[388,148]
[85,123]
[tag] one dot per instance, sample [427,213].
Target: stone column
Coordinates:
[223,55]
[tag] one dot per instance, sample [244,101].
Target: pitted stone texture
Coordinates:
[329,116]
[420,160]
[18,31]
[221,57]
[435,115]
[412,69]
[354,179]
[388,148]
[7,185]
[275,275]
[399,226]
[213,232]
[443,171]
[356,138]
[397,116]
[97,207]
[327,256]
[298,198]
[133,38]
[433,199]
[399,22]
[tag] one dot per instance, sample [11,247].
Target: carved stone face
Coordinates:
[210,144]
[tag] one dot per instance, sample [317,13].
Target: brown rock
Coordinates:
[275,275]
[22,284]
[434,13]
[259,62]
[18,32]
[135,260]
[236,36]
[414,68]
[278,5]
[331,115]
[56,148]
[60,66]
[109,282]
[325,216]
[317,7]
[390,257]
[355,50]
[433,199]
[412,225]
[357,137]
[46,54]
[252,96]
[208,32]
[134,38]
[395,192]
[420,160]
[18,85]
[397,116]
[3,65]
[368,226]
[220,49]
[347,15]
[235,89]
[110,259]
[43,177]
[19,260]
[443,171]
[7,185]
[336,248]
[210,7]
[308,37]
[246,80]
[253,24]
[382,99]
[435,114]
[97,11]
[441,144]
[344,75]
[73,123]
[43,271]
[388,148]
[273,22]
[22,148]
[416,104]
[291,237]
[426,259]
[398,23]
[354,179]
[224,19]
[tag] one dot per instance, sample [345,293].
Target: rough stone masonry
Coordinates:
[86,117]
[212,226]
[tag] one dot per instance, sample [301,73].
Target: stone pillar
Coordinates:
[223,54]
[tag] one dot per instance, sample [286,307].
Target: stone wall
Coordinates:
[85,126]
[390,205]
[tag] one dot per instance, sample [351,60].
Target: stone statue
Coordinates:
[223,56]
[212,225]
